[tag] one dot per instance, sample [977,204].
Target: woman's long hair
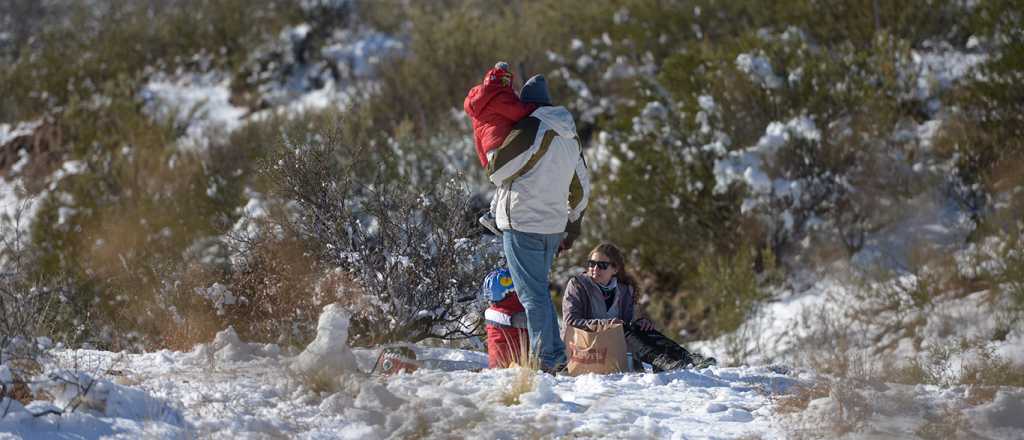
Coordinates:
[615,255]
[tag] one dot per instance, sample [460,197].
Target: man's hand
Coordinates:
[644,324]
[565,245]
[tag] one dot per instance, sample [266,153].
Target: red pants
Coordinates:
[506,345]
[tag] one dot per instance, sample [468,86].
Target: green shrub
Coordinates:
[655,171]
[114,39]
[723,293]
[1006,270]
[120,227]
[986,132]
[426,82]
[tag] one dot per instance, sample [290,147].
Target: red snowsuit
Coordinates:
[506,332]
[494,107]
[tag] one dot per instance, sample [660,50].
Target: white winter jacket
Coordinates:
[542,178]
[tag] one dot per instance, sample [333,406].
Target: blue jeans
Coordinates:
[529,261]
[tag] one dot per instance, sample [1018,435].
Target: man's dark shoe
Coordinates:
[554,370]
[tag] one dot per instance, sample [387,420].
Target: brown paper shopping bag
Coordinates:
[602,351]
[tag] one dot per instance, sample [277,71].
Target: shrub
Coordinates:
[524,34]
[76,57]
[985,134]
[120,226]
[1002,267]
[410,248]
[712,100]
[32,309]
[724,292]
[843,401]
[285,282]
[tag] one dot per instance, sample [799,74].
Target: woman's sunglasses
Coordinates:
[603,265]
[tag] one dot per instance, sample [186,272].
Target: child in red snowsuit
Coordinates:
[494,107]
[507,337]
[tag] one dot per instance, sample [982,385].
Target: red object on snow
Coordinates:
[494,107]
[396,360]
[506,332]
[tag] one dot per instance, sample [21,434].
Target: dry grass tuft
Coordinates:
[798,400]
[950,424]
[527,364]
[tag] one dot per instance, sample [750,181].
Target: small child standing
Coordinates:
[505,319]
[494,107]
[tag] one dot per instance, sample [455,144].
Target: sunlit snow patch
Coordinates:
[328,355]
[198,103]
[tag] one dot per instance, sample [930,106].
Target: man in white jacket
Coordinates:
[542,190]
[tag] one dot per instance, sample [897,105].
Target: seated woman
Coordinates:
[606,293]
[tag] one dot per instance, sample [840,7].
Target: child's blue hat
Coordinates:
[497,284]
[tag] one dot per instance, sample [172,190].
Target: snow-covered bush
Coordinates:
[33,306]
[985,139]
[271,296]
[773,133]
[997,262]
[34,311]
[413,250]
[330,47]
[85,48]
[115,225]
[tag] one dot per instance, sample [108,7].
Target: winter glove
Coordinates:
[643,324]
[565,244]
[572,231]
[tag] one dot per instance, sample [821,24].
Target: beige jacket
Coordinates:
[542,179]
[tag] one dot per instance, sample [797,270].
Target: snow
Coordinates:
[897,411]
[230,388]
[12,199]
[9,132]
[220,296]
[16,210]
[1005,410]
[328,355]
[364,54]
[930,219]
[938,67]
[748,165]
[199,103]
[89,407]
[1013,348]
[759,69]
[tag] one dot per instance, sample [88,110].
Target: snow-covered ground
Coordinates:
[233,389]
